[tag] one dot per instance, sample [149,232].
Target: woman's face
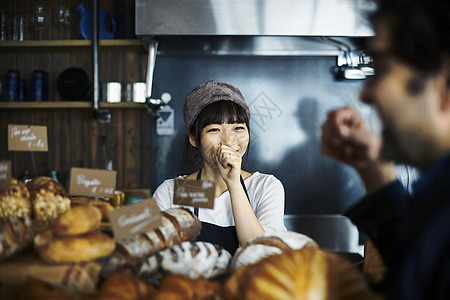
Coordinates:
[234,136]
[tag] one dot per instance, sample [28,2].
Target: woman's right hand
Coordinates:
[347,138]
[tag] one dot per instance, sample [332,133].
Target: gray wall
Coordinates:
[289,98]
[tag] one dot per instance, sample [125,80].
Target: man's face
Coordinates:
[401,98]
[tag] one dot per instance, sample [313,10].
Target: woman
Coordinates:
[245,205]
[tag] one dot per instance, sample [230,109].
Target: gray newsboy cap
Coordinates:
[207,93]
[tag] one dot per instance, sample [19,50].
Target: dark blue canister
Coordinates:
[23,91]
[11,89]
[39,86]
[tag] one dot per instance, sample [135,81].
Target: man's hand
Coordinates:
[347,138]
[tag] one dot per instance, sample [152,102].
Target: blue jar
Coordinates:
[23,92]
[39,86]
[11,89]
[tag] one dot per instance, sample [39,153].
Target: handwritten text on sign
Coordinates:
[135,218]
[27,138]
[5,174]
[92,182]
[196,193]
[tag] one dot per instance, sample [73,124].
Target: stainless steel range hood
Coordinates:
[252,27]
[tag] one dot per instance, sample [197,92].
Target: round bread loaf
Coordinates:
[48,198]
[192,259]
[15,201]
[86,247]
[78,220]
[268,244]
[308,273]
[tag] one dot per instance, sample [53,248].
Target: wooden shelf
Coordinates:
[66,104]
[129,43]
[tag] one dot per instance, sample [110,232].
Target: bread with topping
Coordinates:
[268,244]
[192,259]
[15,201]
[48,198]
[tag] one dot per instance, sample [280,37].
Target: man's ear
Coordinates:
[192,141]
[444,86]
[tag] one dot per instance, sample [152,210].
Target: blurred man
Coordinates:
[411,94]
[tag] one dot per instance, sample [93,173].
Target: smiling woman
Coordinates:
[217,132]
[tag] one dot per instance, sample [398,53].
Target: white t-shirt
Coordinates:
[266,195]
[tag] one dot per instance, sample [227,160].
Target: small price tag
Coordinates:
[92,182]
[5,174]
[196,193]
[27,138]
[135,218]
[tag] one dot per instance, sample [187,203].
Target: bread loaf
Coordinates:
[90,246]
[16,235]
[268,244]
[78,220]
[192,259]
[39,290]
[15,201]
[48,199]
[178,225]
[308,273]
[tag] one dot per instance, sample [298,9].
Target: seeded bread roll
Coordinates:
[178,225]
[16,234]
[308,273]
[192,259]
[268,244]
[48,199]
[15,202]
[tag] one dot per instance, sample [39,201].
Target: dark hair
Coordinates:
[419,31]
[215,113]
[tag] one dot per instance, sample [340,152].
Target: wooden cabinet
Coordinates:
[75,137]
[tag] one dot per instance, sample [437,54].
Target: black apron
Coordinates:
[223,236]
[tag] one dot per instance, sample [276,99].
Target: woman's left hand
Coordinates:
[229,163]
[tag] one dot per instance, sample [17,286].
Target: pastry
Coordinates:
[15,201]
[176,286]
[89,246]
[192,259]
[307,273]
[48,199]
[78,220]
[124,286]
[268,244]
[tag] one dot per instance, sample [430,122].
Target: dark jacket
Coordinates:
[412,233]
